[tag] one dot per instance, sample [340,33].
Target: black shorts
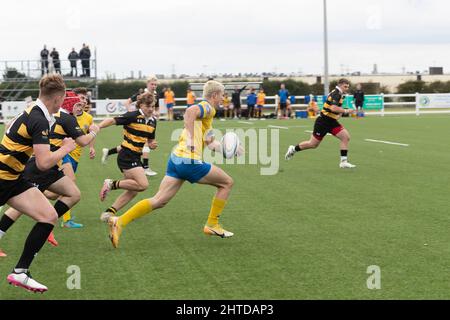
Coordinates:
[283,106]
[359,104]
[128,159]
[325,125]
[42,179]
[10,189]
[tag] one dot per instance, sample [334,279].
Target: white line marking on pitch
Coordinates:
[245,122]
[278,127]
[388,142]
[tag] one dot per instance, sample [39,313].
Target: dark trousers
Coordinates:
[86,68]
[73,66]
[44,66]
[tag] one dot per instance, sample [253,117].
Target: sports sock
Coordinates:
[61,208]
[145,163]
[298,149]
[112,151]
[139,210]
[36,239]
[217,207]
[116,185]
[344,155]
[112,210]
[67,216]
[5,223]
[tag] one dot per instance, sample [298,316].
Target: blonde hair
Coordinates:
[52,84]
[212,87]
[152,78]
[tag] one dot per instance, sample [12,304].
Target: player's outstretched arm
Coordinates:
[107,123]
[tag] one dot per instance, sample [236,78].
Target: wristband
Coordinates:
[93,134]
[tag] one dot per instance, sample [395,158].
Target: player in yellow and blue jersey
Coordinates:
[186,164]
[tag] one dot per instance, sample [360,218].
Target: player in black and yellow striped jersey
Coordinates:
[54,179]
[327,123]
[28,133]
[139,128]
[152,85]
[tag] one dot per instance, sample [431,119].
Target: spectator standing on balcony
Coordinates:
[85,56]
[73,57]
[56,62]
[44,60]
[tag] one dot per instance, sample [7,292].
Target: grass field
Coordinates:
[309,232]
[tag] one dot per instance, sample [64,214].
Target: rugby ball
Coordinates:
[230,144]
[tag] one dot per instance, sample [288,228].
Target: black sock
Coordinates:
[344,153]
[298,149]
[36,239]
[115,185]
[112,151]
[145,163]
[61,208]
[112,210]
[6,223]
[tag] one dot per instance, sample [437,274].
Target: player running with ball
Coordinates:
[186,164]
[327,122]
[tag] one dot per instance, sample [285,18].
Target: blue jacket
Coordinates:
[283,94]
[251,99]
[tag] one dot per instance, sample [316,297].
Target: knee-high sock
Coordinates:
[36,239]
[216,210]
[139,210]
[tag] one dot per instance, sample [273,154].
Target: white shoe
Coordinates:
[346,165]
[105,155]
[24,280]
[107,187]
[104,217]
[290,153]
[149,172]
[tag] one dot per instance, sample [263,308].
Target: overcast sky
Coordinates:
[231,36]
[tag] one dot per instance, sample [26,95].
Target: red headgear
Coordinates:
[70,100]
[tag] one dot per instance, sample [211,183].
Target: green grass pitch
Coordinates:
[309,232]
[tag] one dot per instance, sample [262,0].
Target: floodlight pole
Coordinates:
[325,38]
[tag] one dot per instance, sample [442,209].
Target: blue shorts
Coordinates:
[69,159]
[169,105]
[187,169]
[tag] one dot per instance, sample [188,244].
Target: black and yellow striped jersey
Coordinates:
[137,129]
[66,126]
[27,129]
[335,98]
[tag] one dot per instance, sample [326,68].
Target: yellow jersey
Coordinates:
[85,120]
[226,102]
[202,126]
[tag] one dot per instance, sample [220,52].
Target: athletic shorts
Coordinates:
[10,189]
[283,106]
[259,106]
[326,125]
[169,105]
[128,159]
[42,179]
[72,161]
[187,169]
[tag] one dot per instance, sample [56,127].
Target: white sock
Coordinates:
[344,159]
[2,234]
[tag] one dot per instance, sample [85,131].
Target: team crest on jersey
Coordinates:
[45,133]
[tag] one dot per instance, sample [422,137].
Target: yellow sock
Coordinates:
[67,216]
[216,210]
[139,210]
